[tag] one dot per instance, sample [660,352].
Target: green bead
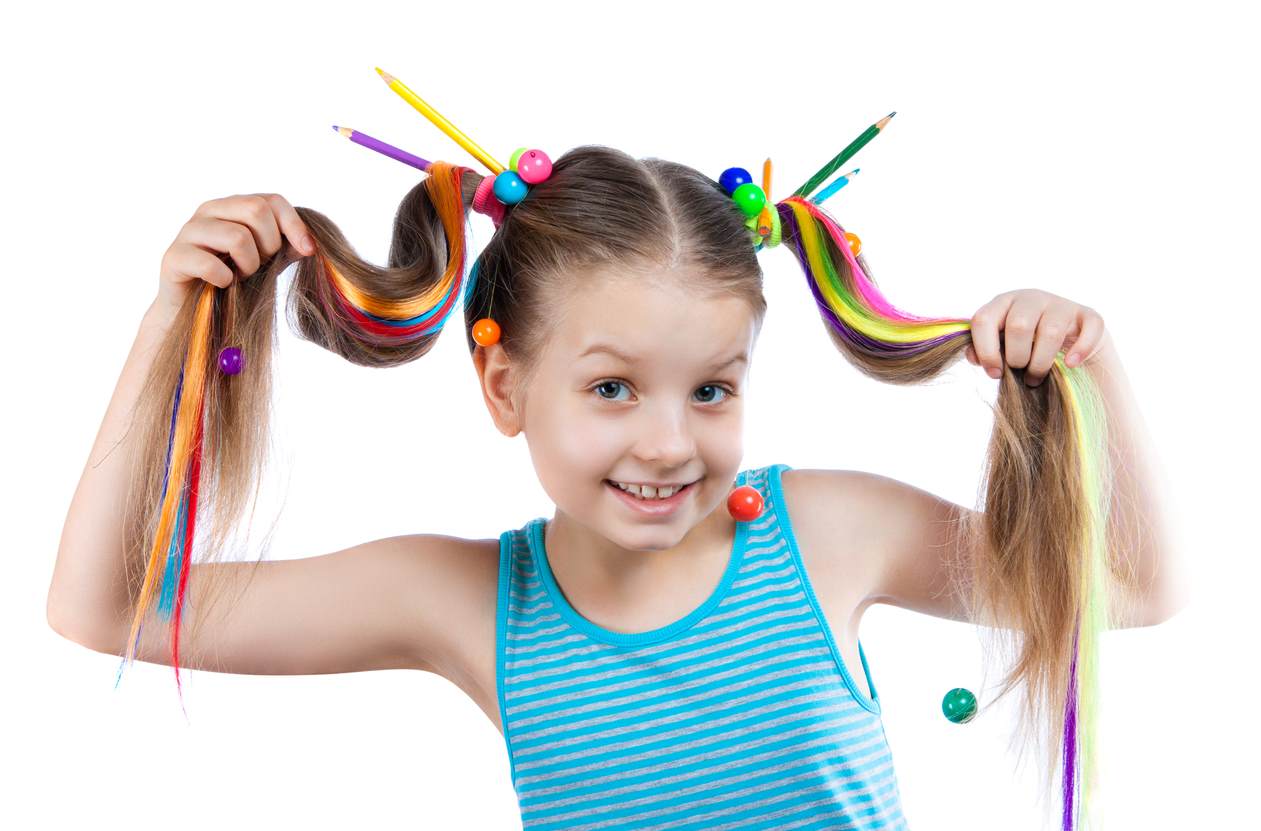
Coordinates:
[516,157]
[750,198]
[959,705]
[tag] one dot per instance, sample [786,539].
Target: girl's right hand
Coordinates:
[243,230]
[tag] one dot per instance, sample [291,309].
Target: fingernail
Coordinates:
[994,372]
[308,245]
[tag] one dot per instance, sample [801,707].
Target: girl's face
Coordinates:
[669,409]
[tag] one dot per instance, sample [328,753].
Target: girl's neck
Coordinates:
[596,573]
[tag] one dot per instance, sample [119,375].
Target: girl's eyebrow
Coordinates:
[630,359]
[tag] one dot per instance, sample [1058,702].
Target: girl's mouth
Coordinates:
[652,507]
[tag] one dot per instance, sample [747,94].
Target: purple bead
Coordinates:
[231,361]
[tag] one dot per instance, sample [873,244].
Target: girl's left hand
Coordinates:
[1035,326]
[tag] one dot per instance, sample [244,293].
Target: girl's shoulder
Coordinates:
[834,529]
[455,597]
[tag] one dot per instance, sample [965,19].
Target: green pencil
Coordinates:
[844,156]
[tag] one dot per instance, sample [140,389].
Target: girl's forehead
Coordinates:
[629,320]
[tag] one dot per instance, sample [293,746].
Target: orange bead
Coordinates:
[744,503]
[486,332]
[855,244]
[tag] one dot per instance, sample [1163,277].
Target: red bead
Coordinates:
[744,503]
[486,332]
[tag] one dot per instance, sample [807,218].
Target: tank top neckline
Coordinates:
[538,552]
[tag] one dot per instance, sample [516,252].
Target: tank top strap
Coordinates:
[778,523]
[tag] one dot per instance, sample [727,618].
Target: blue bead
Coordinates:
[732,178]
[510,188]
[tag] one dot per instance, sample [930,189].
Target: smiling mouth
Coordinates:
[653,499]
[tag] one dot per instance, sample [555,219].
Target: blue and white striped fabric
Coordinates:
[739,715]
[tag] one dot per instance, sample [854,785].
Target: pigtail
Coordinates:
[1043,566]
[206,430]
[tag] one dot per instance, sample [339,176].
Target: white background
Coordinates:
[1105,152]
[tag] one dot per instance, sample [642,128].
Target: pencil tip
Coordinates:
[892,114]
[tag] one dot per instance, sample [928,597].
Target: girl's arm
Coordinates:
[394,603]
[1140,515]
[88,578]
[390,603]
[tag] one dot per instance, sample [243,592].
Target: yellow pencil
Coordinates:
[440,122]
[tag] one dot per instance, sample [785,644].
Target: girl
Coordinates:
[665,651]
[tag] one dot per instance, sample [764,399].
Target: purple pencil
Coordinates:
[383,148]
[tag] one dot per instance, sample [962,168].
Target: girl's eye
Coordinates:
[605,385]
[709,399]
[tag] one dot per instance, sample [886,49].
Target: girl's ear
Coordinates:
[497,380]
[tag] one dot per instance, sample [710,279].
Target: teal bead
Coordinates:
[516,156]
[750,198]
[959,705]
[510,188]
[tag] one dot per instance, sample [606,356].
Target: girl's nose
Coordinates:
[667,439]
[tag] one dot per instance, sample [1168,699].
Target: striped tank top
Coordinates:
[741,714]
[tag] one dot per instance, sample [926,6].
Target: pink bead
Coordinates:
[534,166]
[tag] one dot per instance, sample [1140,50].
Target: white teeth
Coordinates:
[648,491]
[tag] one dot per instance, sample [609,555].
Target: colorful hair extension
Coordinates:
[392,321]
[362,316]
[1081,706]
[858,313]
[177,518]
